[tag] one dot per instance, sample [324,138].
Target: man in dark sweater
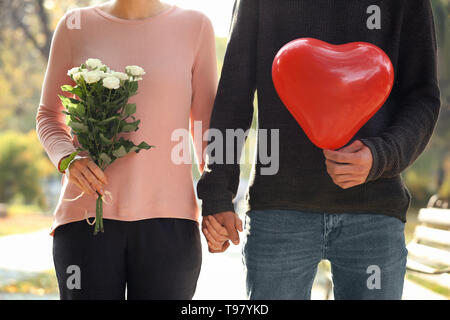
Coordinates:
[348,206]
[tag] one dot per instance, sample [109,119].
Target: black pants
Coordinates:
[157,258]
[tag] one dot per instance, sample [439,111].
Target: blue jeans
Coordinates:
[367,253]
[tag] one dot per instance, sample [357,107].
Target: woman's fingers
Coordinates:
[86,187]
[80,173]
[93,181]
[77,183]
[211,241]
[98,172]
[216,242]
[224,247]
[213,244]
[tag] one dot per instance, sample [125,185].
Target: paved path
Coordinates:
[30,252]
[221,277]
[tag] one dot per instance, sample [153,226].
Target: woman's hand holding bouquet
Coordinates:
[97,113]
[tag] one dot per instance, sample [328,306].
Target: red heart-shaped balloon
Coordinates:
[332,90]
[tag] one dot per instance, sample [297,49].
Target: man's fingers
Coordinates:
[217,226]
[353,147]
[343,178]
[348,154]
[238,223]
[231,229]
[349,184]
[341,157]
[214,233]
[334,168]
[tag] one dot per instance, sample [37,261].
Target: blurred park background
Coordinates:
[30,185]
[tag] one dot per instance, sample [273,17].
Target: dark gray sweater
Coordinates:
[396,135]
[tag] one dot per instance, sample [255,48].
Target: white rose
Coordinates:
[103,74]
[72,71]
[120,75]
[111,82]
[135,71]
[92,76]
[78,75]
[94,63]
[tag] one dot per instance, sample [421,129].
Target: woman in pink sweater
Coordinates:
[151,245]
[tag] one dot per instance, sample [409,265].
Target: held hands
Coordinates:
[219,228]
[83,172]
[349,166]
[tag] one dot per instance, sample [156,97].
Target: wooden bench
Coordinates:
[429,251]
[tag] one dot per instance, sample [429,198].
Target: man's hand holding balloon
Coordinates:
[349,166]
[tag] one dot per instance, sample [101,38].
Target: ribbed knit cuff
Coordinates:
[375,171]
[210,207]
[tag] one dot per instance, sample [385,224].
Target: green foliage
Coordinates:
[22,165]
[98,115]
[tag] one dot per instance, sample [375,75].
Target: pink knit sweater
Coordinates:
[177,50]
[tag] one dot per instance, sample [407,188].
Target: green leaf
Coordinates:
[78,91]
[65,101]
[120,152]
[75,118]
[105,140]
[75,90]
[130,126]
[80,127]
[144,145]
[105,158]
[108,120]
[130,109]
[77,110]
[67,87]
[73,111]
[74,101]
[81,109]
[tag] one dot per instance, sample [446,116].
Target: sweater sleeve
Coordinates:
[204,86]
[52,131]
[233,109]
[410,130]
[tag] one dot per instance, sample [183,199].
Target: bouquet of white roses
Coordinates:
[98,112]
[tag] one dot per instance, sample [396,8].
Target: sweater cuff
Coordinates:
[210,207]
[375,171]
